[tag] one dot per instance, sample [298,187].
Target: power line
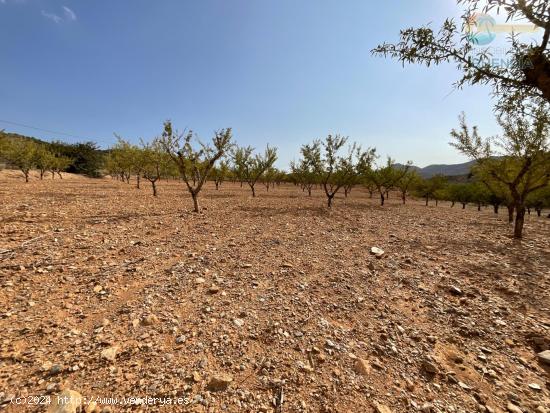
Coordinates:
[49,131]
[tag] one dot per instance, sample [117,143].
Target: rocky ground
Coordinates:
[271,304]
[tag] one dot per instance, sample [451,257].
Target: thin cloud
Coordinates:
[69,14]
[52,16]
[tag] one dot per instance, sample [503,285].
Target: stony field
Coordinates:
[266,304]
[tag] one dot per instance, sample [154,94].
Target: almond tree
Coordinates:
[194,162]
[21,153]
[220,173]
[528,74]
[336,170]
[156,163]
[120,159]
[519,159]
[303,176]
[269,177]
[60,164]
[44,160]
[539,199]
[385,178]
[431,188]
[252,167]
[407,183]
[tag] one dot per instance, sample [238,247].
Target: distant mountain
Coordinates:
[460,169]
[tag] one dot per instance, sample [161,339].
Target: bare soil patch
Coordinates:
[266,304]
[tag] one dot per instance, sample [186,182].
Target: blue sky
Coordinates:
[277,71]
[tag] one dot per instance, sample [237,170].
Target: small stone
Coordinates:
[381,408]
[55,369]
[196,377]
[180,340]
[68,401]
[199,280]
[454,290]
[429,367]
[512,408]
[427,408]
[214,289]
[535,387]
[109,353]
[220,382]
[47,365]
[149,320]
[239,322]
[377,252]
[362,367]
[544,356]
[287,265]
[98,289]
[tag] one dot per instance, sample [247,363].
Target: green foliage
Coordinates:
[86,158]
[431,188]
[333,169]
[515,164]
[251,167]
[21,154]
[155,163]
[386,177]
[526,76]
[194,160]
[220,173]
[407,183]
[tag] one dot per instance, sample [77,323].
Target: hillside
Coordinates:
[459,169]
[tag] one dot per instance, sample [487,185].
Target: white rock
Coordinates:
[544,356]
[109,353]
[377,252]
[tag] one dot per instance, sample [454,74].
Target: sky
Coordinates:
[282,72]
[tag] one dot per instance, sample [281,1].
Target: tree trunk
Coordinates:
[154,184]
[436,202]
[495,208]
[510,213]
[382,199]
[539,212]
[41,175]
[195,202]
[309,191]
[138,181]
[463,205]
[452,204]
[479,207]
[427,199]
[529,211]
[253,191]
[520,219]
[404,198]
[330,200]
